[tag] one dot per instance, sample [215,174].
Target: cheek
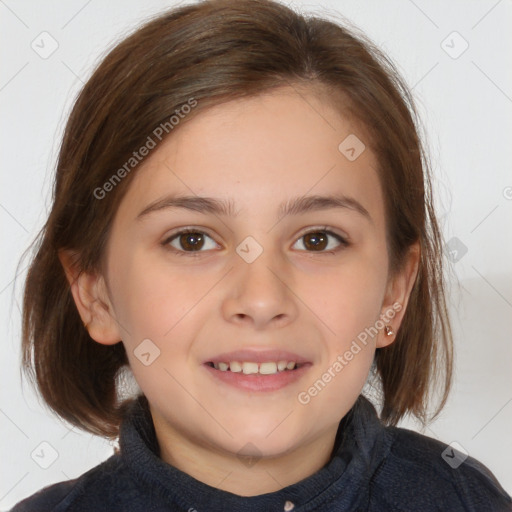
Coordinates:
[349,304]
[161,311]
[349,300]
[350,310]
[152,298]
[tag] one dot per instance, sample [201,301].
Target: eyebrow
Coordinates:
[295,206]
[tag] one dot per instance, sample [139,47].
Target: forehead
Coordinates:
[259,151]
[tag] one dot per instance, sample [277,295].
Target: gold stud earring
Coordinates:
[389,331]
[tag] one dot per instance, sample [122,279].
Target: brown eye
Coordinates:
[321,241]
[189,241]
[315,241]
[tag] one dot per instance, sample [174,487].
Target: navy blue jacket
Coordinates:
[373,468]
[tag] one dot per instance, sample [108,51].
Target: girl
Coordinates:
[243,220]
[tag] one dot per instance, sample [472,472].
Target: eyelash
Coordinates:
[325,229]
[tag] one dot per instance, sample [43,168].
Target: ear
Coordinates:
[397,295]
[92,300]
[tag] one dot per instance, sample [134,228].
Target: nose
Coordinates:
[260,293]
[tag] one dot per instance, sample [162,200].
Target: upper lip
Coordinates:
[257,356]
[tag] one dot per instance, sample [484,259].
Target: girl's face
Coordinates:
[286,262]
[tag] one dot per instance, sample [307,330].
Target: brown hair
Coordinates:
[215,51]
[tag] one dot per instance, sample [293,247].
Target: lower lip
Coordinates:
[258,382]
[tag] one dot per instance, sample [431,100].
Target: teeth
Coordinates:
[268,368]
[248,368]
[235,366]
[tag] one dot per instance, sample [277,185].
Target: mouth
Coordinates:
[253,368]
[256,370]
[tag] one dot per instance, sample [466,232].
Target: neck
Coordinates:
[244,476]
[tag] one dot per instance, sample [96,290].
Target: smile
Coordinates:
[251,376]
[249,368]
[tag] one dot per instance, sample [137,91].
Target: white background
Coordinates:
[466,105]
